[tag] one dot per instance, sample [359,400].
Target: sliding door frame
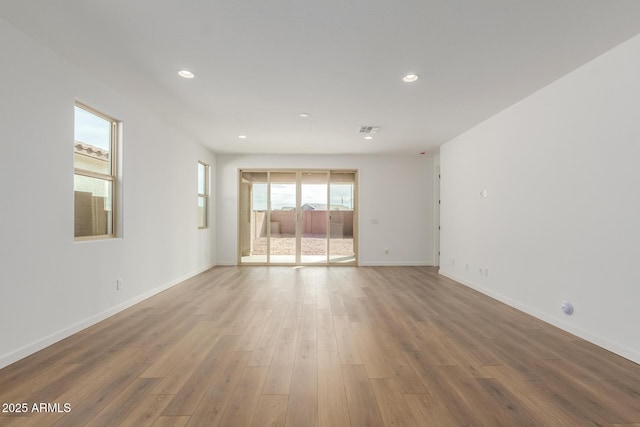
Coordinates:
[298,216]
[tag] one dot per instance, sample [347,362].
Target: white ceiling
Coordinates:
[258,64]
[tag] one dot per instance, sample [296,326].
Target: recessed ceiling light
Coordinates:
[304,115]
[368,137]
[185,74]
[242,136]
[410,78]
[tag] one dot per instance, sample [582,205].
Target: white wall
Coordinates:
[561,220]
[395,190]
[50,285]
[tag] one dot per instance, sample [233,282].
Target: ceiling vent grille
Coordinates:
[368,129]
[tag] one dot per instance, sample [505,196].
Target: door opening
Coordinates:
[299,217]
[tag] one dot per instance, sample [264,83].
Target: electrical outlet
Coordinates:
[118,284]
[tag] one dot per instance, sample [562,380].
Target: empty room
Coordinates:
[330,213]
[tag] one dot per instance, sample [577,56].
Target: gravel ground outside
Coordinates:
[311,245]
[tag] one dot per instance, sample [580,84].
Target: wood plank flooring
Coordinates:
[328,347]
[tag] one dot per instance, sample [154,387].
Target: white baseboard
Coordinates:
[53,338]
[598,340]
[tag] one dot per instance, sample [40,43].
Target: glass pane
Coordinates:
[202,178]
[342,201]
[202,212]
[282,216]
[313,204]
[253,214]
[92,146]
[93,206]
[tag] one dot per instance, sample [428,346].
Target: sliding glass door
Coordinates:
[342,190]
[313,212]
[252,217]
[283,225]
[297,217]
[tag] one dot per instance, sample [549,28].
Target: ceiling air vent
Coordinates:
[368,129]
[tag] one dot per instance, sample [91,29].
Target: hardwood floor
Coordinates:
[352,346]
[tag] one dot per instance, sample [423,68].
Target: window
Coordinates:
[203,195]
[94,186]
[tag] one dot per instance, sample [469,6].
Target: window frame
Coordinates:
[111,177]
[204,196]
